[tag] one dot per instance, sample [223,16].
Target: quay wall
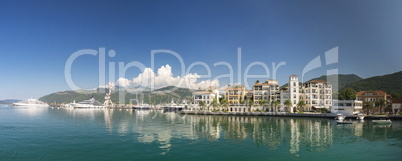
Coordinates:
[283,114]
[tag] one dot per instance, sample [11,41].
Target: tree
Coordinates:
[396,95]
[225,104]
[262,103]
[380,104]
[300,105]
[214,103]
[202,104]
[257,81]
[288,104]
[250,103]
[347,94]
[275,104]
[368,106]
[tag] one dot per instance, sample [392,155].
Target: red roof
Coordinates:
[318,81]
[270,84]
[396,100]
[377,92]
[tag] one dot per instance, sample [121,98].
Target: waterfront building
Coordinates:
[396,105]
[293,90]
[249,95]
[235,94]
[203,96]
[317,94]
[371,96]
[347,107]
[284,95]
[267,91]
[314,93]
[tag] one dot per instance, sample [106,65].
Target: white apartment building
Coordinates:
[267,91]
[315,93]
[203,96]
[346,107]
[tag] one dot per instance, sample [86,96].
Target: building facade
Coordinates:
[203,96]
[267,91]
[317,94]
[235,95]
[396,105]
[347,107]
[371,96]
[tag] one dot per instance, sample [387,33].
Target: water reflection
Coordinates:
[30,111]
[294,134]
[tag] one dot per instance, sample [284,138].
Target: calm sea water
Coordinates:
[84,134]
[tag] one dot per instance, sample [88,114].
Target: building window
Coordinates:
[294,89]
[294,83]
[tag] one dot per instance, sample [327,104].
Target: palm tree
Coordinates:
[300,105]
[380,104]
[275,105]
[288,103]
[368,106]
[257,81]
[250,103]
[225,104]
[214,103]
[262,103]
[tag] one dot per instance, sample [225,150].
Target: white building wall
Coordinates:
[293,90]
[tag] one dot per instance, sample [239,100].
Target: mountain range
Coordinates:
[162,95]
[390,83]
[9,101]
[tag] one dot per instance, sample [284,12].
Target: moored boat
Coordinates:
[142,107]
[31,103]
[360,116]
[91,103]
[344,122]
[340,117]
[382,122]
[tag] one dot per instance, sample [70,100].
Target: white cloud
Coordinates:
[164,77]
[123,82]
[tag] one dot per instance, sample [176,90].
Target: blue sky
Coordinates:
[37,37]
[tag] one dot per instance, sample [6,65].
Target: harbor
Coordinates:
[151,134]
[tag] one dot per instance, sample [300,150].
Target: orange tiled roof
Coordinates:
[260,84]
[377,92]
[318,81]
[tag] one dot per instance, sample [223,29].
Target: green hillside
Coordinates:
[390,83]
[163,95]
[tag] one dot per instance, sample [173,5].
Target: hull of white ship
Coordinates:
[30,105]
[87,106]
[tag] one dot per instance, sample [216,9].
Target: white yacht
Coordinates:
[360,116]
[31,103]
[340,117]
[142,106]
[172,107]
[91,103]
